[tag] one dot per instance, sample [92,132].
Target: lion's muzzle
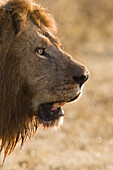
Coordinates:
[66,90]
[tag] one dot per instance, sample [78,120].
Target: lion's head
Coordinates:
[36,76]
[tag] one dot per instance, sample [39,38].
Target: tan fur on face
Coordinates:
[26,79]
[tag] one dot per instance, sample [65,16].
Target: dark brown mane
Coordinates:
[17,122]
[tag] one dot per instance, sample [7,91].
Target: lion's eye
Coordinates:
[40,51]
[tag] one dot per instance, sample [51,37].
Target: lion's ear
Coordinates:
[17,13]
[16,23]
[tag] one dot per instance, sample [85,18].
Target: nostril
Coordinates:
[84,77]
[80,80]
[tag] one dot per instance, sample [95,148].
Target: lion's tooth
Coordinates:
[56,105]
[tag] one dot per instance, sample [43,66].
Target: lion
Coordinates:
[36,76]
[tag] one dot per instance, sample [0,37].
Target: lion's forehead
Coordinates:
[38,36]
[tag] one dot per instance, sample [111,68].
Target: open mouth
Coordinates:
[51,114]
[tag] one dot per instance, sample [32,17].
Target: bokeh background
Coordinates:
[85,141]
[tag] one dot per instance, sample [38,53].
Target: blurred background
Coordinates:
[85,141]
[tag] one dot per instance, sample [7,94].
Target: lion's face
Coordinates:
[51,74]
[36,76]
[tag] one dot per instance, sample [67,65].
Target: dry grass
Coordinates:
[85,142]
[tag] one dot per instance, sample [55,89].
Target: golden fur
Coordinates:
[24,82]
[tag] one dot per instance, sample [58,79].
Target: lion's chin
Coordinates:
[54,123]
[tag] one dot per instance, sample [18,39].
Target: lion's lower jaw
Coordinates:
[52,124]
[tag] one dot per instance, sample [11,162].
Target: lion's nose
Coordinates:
[81,79]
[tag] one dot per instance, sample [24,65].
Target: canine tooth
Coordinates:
[56,105]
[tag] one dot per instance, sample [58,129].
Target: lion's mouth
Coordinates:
[48,113]
[51,114]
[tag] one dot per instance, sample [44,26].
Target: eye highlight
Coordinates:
[40,51]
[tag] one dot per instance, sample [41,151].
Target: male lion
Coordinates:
[36,76]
